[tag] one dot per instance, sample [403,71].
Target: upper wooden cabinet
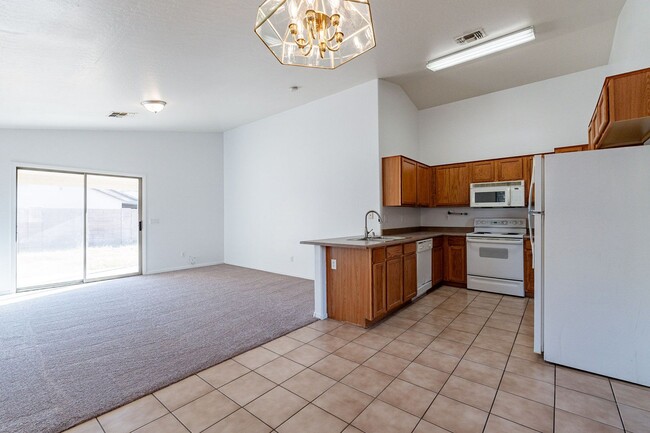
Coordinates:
[568,149]
[509,169]
[498,170]
[423,185]
[451,184]
[482,171]
[405,182]
[622,114]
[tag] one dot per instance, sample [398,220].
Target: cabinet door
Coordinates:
[452,185]
[456,260]
[391,179]
[510,169]
[394,283]
[410,276]
[378,290]
[437,270]
[423,185]
[409,182]
[482,171]
[529,275]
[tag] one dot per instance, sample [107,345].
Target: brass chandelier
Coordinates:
[316,33]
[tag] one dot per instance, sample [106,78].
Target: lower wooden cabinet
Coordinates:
[455,258]
[367,284]
[379,289]
[437,261]
[529,274]
[394,283]
[410,276]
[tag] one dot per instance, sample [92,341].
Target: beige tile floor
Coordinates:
[455,360]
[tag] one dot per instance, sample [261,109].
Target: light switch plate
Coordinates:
[333,264]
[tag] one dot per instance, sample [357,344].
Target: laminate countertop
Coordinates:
[404,238]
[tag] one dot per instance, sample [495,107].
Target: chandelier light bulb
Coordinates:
[319,34]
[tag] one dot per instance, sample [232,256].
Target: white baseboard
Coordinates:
[182,268]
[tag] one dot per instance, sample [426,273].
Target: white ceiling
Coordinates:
[69,63]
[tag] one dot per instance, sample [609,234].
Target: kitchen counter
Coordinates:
[321,246]
[348,242]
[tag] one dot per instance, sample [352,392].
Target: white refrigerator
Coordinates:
[591,252]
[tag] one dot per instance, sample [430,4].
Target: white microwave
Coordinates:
[497,194]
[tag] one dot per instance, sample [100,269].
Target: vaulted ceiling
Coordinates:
[68,63]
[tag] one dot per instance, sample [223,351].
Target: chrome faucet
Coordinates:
[366,233]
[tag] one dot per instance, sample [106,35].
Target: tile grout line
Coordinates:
[169,412]
[396,377]
[503,373]
[618,409]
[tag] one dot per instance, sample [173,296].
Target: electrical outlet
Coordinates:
[333,264]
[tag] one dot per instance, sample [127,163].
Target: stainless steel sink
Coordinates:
[379,239]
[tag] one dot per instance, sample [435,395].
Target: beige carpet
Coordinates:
[74,355]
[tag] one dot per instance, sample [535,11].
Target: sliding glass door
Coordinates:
[75,227]
[50,228]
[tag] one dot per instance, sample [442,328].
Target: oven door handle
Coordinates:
[495,241]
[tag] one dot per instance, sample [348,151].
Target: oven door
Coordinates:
[495,258]
[490,197]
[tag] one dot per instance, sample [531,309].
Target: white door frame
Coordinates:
[14,204]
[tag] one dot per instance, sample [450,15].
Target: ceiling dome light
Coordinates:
[154,106]
[316,33]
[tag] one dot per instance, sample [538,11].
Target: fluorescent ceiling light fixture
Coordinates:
[154,106]
[486,48]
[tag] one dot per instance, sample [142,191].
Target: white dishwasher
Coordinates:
[424,248]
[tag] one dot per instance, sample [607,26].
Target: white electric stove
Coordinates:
[495,256]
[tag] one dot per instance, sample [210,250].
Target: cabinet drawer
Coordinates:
[393,251]
[378,255]
[437,241]
[409,248]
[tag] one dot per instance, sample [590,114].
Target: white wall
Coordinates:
[631,50]
[398,135]
[183,180]
[529,119]
[308,173]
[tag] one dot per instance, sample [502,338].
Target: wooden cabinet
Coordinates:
[378,283]
[451,185]
[394,283]
[423,185]
[364,285]
[437,262]
[455,259]
[529,275]
[409,182]
[405,182]
[568,149]
[622,114]
[482,171]
[509,169]
[528,172]
[410,276]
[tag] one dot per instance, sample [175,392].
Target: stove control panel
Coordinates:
[500,222]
